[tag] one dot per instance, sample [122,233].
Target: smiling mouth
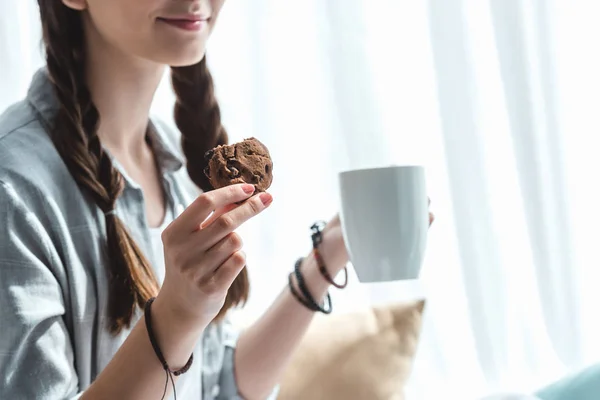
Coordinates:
[191,24]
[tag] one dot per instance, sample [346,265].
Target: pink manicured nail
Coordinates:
[249,189]
[266,198]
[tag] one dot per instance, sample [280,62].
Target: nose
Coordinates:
[195,7]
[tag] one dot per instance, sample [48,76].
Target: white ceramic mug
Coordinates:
[385,219]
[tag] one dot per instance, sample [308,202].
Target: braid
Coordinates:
[74,134]
[198,117]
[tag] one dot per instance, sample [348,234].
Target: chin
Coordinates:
[186,60]
[181,58]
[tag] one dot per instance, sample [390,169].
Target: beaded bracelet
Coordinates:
[306,298]
[297,295]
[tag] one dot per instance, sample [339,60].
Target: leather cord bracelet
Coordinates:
[159,354]
[317,239]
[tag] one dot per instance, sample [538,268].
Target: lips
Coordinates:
[187,23]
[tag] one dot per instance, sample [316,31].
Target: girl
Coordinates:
[111,274]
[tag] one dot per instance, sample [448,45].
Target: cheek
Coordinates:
[123,24]
[215,6]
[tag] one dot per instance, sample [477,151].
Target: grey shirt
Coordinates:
[53,286]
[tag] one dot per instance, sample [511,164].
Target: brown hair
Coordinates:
[74,133]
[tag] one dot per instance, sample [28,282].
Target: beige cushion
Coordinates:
[358,356]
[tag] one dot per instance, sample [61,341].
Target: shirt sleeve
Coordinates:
[36,356]
[227,381]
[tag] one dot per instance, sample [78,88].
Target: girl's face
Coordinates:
[171,32]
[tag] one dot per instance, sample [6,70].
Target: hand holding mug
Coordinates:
[334,250]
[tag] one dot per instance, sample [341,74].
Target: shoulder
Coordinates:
[30,165]
[23,138]
[15,117]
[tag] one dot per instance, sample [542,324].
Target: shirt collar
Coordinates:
[168,155]
[42,98]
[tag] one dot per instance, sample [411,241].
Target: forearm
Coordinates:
[265,348]
[135,371]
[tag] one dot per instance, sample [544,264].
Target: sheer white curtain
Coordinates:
[498,98]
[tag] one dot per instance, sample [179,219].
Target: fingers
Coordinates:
[208,202]
[230,269]
[431,215]
[221,251]
[217,214]
[230,221]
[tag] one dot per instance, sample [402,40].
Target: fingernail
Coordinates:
[266,199]
[249,189]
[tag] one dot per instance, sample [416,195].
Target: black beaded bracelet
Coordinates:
[307,297]
[159,354]
[297,295]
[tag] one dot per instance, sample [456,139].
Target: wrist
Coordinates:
[175,337]
[179,322]
[335,259]
[313,277]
